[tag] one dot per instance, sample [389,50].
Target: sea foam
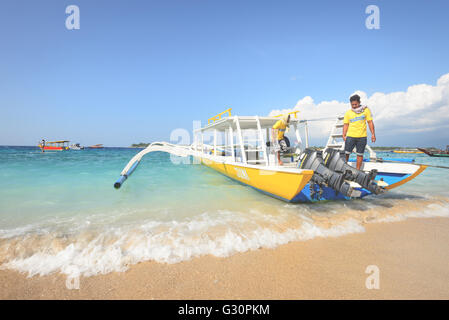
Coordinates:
[221,234]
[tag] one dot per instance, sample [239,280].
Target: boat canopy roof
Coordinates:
[60,141]
[245,122]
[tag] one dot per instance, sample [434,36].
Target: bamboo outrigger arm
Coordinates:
[182,151]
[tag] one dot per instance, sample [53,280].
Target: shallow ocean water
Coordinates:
[59,211]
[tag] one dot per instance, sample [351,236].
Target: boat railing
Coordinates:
[253,154]
[218,116]
[290,113]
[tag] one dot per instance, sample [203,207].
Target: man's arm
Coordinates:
[345,125]
[345,130]
[371,128]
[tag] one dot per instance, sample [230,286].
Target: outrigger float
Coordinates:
[244,149]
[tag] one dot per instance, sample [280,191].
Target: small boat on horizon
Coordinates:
[76,146]
[433,152]
[59,145]
[408,151]
[96,146]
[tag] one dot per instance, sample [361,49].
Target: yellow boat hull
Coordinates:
[281,184]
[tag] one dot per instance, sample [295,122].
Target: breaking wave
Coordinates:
[92,249]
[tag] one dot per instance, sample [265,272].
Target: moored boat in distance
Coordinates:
[76,146]
[59,145]
[407,151]
[244,149]
[96,146]
[433,152]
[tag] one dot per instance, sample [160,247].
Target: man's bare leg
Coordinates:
[279,159]
[359,162]
[347,157]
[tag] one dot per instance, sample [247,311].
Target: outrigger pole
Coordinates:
[182,151]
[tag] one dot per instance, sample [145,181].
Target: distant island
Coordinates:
[140,145]
[388,148]
[392,148]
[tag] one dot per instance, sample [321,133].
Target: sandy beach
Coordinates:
[412,257]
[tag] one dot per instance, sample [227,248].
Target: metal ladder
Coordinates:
[336,141]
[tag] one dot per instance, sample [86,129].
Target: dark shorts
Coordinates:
[358,143]
[284,144]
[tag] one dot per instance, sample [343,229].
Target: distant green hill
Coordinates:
[139,145]
[386,148]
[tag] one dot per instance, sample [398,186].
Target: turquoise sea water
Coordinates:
[59,211]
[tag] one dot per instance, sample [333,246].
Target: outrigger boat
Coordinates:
[244,149]
[435,152]
[407,151]
[96,146]
[76,146]
[54,145]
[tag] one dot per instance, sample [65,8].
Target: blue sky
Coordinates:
[136,70]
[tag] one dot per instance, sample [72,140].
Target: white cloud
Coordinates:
[422,108]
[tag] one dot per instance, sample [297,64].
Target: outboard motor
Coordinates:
[335,161]
[313,160]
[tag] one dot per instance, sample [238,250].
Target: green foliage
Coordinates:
[139,145]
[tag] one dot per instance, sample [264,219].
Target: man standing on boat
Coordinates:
[279,129]
[354,129]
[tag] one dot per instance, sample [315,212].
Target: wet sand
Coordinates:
[412,257]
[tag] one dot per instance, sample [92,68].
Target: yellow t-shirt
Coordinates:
[357,123]
[281,126]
